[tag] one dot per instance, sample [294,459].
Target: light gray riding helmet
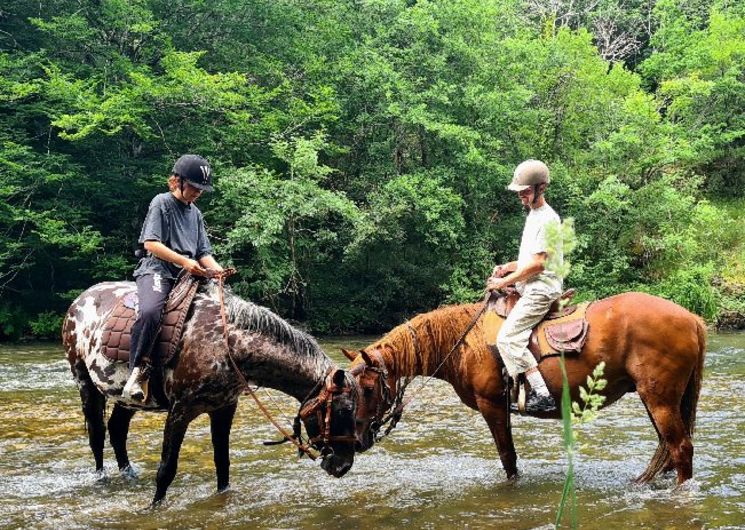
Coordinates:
[529,173]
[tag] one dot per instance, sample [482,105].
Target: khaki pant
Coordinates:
[513,337]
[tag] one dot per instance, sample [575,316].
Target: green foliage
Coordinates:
[561,241]
[569,491]
[361,149]
[591,399]
[698,64]
[282,222]
[692,288]
[12,322]
[46,325]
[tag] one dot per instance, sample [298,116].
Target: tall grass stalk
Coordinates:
[569,492]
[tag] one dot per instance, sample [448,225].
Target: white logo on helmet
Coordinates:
[206,170]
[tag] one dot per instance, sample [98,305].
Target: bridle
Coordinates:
[396,404]
[319,408]
[388,401]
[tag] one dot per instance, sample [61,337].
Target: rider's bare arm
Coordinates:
[505,267]
[536,266]
[161,251]
[208,262]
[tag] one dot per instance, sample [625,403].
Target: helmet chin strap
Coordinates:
[535,193]
[181,188]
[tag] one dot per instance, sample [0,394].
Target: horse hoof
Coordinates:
[687,486]
[129,473]
[512,477]
[225,489]
[100,475]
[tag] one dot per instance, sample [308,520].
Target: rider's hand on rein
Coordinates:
[220,274]
[491,284]
[194,268]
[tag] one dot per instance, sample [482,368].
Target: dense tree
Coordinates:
[362,148]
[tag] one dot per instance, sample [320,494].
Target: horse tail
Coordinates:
[688,404]
[693,389]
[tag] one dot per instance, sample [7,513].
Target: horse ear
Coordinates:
[366,357]
[349,354]
[338,377]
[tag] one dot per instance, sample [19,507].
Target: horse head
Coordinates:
[377,394]
[329,420]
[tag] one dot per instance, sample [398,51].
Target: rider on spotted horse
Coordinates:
[538,286]
[175,239]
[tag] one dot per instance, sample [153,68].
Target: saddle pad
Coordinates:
[117,330]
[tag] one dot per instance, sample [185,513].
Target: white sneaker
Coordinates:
[133,390]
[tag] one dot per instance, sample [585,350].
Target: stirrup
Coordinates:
[521,395]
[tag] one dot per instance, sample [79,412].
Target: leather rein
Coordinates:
[325,397]
[397,404]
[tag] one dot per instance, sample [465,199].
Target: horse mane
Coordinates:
[436,333]
[254,318]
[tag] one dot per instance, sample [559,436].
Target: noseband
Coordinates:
[379,378]
[320,408]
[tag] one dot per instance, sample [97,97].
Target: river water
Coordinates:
[439,468]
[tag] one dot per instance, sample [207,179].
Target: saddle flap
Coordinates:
[179,292]
[174,318]
[506,302]
[567,336]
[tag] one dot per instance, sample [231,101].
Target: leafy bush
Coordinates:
[12,321]
[692,288]
[46,325]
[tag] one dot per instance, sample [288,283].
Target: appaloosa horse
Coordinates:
[267,351]
[649,345]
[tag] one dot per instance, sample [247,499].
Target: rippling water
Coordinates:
[439,468]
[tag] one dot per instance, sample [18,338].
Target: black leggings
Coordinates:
[152,291]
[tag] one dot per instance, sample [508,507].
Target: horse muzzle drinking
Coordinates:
[329,420]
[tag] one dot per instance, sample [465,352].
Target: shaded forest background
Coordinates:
[362,148]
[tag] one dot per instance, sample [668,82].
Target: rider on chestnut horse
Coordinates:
[538,287]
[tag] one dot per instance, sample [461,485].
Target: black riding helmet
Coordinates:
[195,170]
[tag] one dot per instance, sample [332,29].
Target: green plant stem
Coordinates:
[569,490]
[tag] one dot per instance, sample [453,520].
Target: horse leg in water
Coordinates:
[93,406]
[664,397]
[178,420]
[665,411]
[221,420]
[498,419]
[118,430]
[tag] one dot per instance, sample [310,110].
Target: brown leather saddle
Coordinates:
[563,329]
[117,330]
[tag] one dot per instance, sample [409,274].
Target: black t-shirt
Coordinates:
[178,226]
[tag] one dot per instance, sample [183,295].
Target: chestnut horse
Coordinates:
[649,345]
[266,349]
